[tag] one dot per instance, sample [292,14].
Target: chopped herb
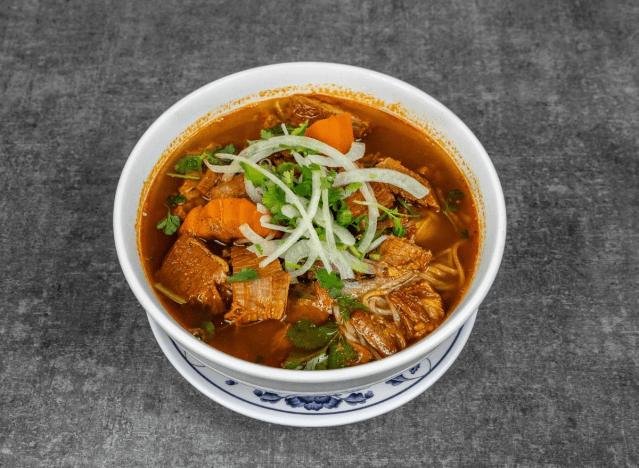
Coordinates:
[451,200]
[305,335]
[181,176]
[245,274]
[277,130]
[259,248]
[170,294]
[170,224]
[274,198]
[253,175]
[328,280]
[209,329]
[175,200]
[374,256]
[407,206]
[299,149]
[451,205]
[464,234]
[193,162]
[347,303]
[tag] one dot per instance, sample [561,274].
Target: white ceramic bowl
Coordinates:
[253,85]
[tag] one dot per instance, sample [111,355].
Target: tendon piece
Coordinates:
[384,336]
[399,255]
[298,109]
[209,180]
[233,188]
[260,299]
[382,193]
[420,308]
[192,272]
[241,258]
[428,200]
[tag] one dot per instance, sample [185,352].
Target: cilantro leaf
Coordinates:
[175,200]
[209,329]
[274,198]
[329,280]
[340,354]
[188,164]
[305,335]
[253,175]
[451,198]
[347,303]
[344,217]
[245,274]
[170,224]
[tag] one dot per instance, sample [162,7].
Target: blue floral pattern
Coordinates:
[314,402]
[401,378]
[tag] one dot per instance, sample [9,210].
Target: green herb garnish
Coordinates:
[175,200]
[170,224]
[245,274]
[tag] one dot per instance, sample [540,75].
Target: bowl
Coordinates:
[243,88]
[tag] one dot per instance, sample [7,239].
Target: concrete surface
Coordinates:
[550,374]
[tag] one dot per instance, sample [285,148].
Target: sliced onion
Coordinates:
[261,208]
[388,176]
[356,152]
[290,211]
[377,243]
[266,245]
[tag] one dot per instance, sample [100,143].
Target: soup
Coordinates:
[309,232]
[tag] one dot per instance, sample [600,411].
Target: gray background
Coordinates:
[549,376]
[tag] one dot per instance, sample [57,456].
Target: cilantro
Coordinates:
[299,149]
[209,329]
[193,163]
[336,355]
[175,200]
[289,178]
[340,354]
[350,189]
[374,256]
[170,224]
[305,187]
[407,206]
[348,303]
[451,200]
[329,280]
[397,230]
[464,234]
[181,176]
[259,248]
[344,217]
[253,175]
[287,166]
[274,198]
[305,335]
[451,205]
[245,274]
[277,130]
[189,164]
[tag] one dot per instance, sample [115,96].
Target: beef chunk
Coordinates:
[382,193]
[384,336]
[193,272]
[420,308]
[209,180]
[260,299]
[428,200]
[233,188]
[299,108]
[399,255]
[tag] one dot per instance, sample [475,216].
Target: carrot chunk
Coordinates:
[335,131]
[221,219]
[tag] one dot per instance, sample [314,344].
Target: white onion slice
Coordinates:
[388,176]
[356,152]
[377,243]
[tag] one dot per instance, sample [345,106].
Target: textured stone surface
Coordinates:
[550,374]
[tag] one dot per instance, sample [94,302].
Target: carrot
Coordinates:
[336,131]
[221,219]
